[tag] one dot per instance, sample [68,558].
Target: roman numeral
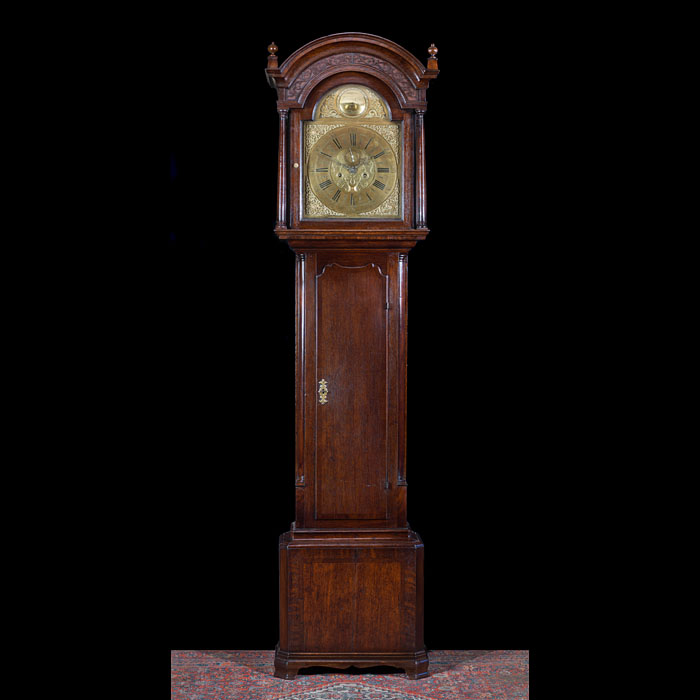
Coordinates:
[368,142]
[379,170]
[324,184]
[336,196]
[379,155]
[337,143]
[327,156]
[368,196]
[353,138]
[352,199]
[379,185]
[321,170]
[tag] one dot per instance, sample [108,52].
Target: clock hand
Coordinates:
[352,169]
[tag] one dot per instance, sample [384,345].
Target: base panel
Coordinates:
[351,599]
[288,664]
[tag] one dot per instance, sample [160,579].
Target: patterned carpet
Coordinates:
[248,675]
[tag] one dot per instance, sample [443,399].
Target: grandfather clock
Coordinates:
[351,204]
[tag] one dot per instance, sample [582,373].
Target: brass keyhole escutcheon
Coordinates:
[323,391]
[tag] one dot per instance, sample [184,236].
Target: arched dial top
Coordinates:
[352,170]
[297,76]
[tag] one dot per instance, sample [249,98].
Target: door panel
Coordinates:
[351,416]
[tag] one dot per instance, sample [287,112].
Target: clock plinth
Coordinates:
[351,204]
[351,599]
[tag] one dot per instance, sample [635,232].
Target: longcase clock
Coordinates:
[351,204]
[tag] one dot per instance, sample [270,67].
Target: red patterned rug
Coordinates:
[248,675]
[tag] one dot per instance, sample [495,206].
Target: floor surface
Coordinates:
[248,675]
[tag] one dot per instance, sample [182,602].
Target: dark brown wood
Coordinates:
[352,429]
[361,431]
[343,53]
[272,57]
[351,601]
[420,171]
[282,172]
[432,58]
[351,569]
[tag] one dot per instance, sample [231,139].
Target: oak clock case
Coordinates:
[351,204]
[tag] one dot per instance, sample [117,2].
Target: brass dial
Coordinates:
[352,170]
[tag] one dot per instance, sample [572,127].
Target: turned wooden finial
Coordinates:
[432,58]
[272,58]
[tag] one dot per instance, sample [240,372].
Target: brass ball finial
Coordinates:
[273,48]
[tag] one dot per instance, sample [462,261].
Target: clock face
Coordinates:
[352,169]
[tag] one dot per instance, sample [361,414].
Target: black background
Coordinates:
[496,410]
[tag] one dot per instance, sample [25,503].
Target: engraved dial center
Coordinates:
[352,172]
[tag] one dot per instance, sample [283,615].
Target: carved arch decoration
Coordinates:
[301,72]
